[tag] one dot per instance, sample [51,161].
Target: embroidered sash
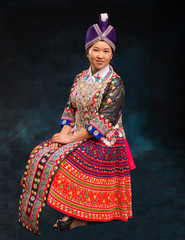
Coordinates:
[40,171]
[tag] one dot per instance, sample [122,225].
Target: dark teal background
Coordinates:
[41,51]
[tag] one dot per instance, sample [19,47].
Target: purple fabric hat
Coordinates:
[101,32]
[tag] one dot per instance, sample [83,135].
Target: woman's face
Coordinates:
[99,55]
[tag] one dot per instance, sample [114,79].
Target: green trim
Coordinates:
[87,209]
[89,185]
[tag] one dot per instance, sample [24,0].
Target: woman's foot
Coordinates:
[63,219]
[62,226]
[78,223]
[67,223]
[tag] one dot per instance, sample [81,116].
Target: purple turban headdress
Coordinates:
[101,32]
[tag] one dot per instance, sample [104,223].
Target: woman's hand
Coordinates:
[61,138]
[54,146]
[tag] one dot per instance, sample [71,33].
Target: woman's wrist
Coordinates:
[81,136]
[66,129]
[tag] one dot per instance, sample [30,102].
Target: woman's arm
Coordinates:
[64,138]
[110,109]
[67,119]
[66,129]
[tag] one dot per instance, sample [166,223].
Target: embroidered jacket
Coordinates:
[96,106]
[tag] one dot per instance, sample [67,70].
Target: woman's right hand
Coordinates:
[65,130]
[53,146]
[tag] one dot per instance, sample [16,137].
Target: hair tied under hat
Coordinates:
[101,32]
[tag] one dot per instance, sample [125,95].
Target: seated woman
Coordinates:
[84,171]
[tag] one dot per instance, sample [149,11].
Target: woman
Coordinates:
[84,171]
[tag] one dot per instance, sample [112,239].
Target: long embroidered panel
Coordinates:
[40,171]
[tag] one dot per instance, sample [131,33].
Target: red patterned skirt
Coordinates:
[93,183]
[87,180]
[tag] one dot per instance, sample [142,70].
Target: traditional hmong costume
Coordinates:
[88,179]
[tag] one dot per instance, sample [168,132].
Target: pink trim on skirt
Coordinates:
[129,155]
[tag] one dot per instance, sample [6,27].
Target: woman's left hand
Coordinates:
[61,138]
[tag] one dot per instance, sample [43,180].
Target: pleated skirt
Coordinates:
[93,182]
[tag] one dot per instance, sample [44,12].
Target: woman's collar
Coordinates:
[99,74]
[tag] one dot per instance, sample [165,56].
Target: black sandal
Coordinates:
[63,226]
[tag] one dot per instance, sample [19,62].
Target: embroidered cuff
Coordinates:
[99,126]
[66,122]
[94,131]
